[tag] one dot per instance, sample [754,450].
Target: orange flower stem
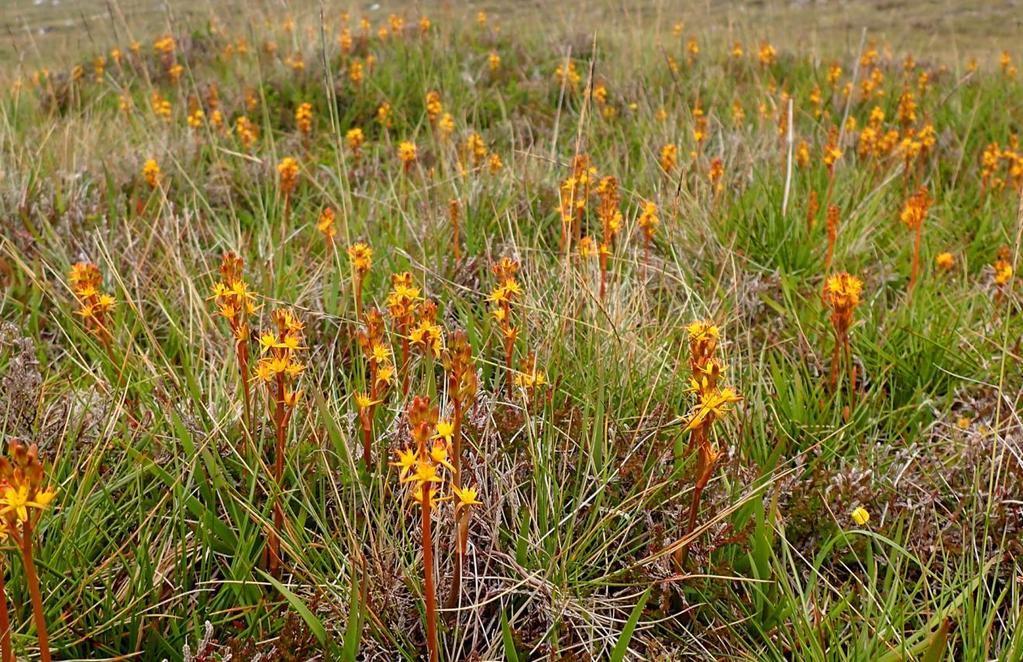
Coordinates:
[914,272]
[32,579]
[835,358]
[358,297]
[5,622]
[694,509]
[367,438]
[646,255]
[284,220]
[851,367]
[831,186]
[509,349]
[280,421]
[241,349]
[461,524]
[404,363]
[430,596]
[455,237]
[603,275]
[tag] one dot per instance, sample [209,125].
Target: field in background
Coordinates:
[37,31]
[718,304]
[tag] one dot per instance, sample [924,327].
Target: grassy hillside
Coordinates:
[599,334]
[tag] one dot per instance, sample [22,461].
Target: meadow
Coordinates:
[460,334]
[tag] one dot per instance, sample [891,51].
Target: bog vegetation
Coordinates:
[429,337]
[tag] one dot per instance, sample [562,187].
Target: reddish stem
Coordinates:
[916,257]
[5,621]
[358,297]
[32,579]
[428,587]
[461,525]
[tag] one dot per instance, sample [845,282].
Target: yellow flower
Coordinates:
[18,501]
[407,153]
[945,261]
[288,171]
[384,115]
[361,256]
[385,375]
[669,157]
[363,401]
[355,139]
[380,353]
[713,405]
[860,516]
[325,224]
[439,454]
[1003,272]
[843,291]
[467,496]
[426,472]
[304,117]
[406,462]
[151,172]
[445,429]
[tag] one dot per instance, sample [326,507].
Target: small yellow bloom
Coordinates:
[445,429]
[467,496]
[288,171]
[363,401]
[151,173]
[860,516]
[406,462]
[407,153]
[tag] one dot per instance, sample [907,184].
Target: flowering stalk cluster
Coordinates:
[912,216]
[426,336]
[287,171]
[575,193]
[235,303]
[23,502]
[529,378]
[842,294]
[151,173]
[501,299]
[280,369]
[304,118]
[426,468]
[361,257]
[325,225]
[832,153]
[402,302]
[94,305]
[462,386]
[407,155]
[610,216]
[712,402]
[381,375]
[648,222]
[247,132]
[1003,272]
